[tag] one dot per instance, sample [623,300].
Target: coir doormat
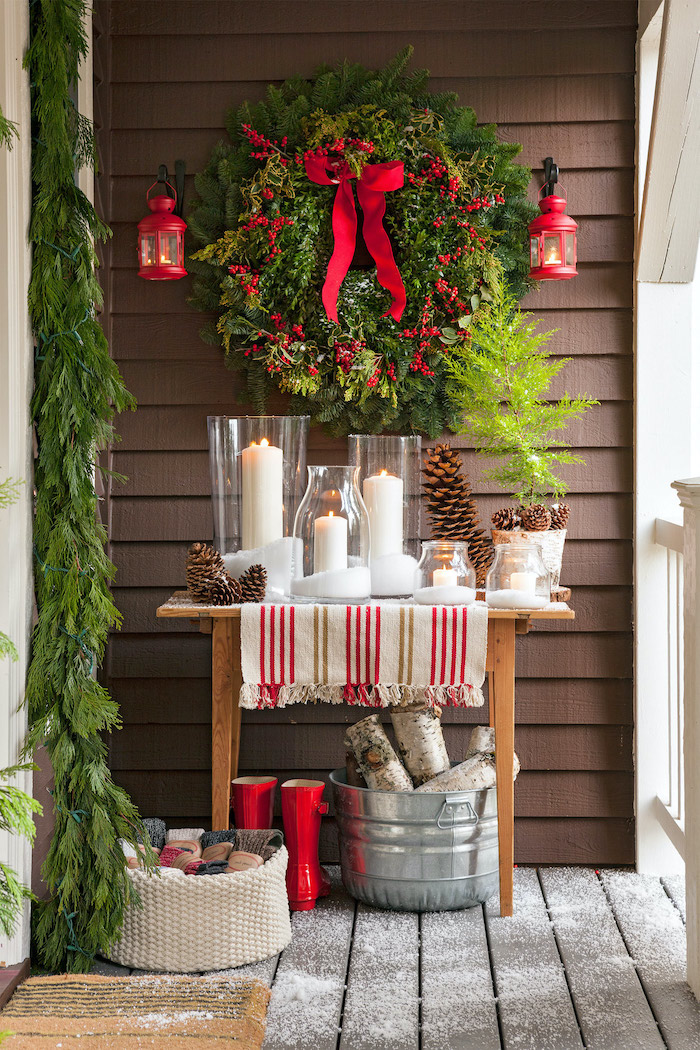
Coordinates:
[161,1012]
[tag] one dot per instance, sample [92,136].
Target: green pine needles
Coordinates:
[500,385]
[77,389]
[8,131]
[265,231]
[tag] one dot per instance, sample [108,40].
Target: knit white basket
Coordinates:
[206,922]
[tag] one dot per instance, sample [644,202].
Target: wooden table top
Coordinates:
[180,605]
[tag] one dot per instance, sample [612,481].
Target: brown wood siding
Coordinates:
[559,78]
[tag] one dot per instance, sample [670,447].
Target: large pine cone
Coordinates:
[451,508]
[505,519]
[560,515]
[253,583]
[224,590]
[536,518]
[204,565]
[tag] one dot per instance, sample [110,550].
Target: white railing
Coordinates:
[670,805]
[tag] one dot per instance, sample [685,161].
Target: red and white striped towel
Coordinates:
[375,655]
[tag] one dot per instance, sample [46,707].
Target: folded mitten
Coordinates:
[212,867]
[169,854]
[184,833]
[218,852]
[265,842]
[191,845]
[210,838]
[156,831]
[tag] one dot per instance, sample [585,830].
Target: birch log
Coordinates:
[483,741]
[477,773]
[421,743]
[376,759]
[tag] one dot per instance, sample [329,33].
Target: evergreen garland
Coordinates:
[8,131]
[460,218]
[77,388]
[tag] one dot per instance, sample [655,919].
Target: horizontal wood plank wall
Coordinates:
[559,78]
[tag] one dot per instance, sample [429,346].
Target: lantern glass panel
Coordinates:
[552,249]
[570,253]
[168,249]
[148,251]
[534,252]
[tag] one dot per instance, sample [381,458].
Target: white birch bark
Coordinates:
[483,741]
[421,743]
[376,759]
[477,773]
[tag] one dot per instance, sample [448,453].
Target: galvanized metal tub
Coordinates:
[417,852]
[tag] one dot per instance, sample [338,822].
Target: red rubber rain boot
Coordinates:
[252,801]
[302,809]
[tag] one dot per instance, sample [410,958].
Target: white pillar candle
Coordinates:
[262,499]
[523,581]
[383,496]
[330,543]
[445,578]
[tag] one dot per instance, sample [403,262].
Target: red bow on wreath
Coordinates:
[373,183]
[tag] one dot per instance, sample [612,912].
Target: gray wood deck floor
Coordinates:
[589,960]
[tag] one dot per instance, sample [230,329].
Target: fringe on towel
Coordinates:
[259,697]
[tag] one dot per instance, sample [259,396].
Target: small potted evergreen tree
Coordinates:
[501,373]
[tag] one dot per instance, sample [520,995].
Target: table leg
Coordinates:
[503,707]
[225,718]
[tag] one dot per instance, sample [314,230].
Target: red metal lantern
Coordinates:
[162,239]
[552,235]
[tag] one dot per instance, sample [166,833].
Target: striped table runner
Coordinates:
[374,655]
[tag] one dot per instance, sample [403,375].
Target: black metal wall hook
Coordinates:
[179,183]
[551,176]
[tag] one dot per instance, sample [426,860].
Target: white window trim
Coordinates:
[16,374]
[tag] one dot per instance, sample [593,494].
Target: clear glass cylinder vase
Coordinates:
[518,578]
[445,575]
[258,471]
[389,480]
[332,532]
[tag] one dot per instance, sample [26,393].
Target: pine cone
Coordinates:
[224,590]
[451,508]
[204,565]
[560,515]
[536,518]
[253,583]
[505,519]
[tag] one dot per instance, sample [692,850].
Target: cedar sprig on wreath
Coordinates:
[452,511]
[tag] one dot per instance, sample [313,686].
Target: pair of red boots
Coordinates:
[252,801]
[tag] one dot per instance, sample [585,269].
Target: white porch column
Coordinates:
[16,372]
[689,495]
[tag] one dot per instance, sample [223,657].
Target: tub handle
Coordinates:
[454,807]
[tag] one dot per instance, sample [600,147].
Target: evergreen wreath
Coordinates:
[77,388]
[265,229]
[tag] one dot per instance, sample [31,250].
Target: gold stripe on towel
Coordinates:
[402,628]
[324,677]
[409,675]
[316,678]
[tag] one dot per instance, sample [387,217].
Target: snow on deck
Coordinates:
[589,961]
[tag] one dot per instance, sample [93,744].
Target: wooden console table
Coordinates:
[224,625]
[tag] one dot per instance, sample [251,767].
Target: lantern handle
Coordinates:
[165,183]
[551,173]
[550,191]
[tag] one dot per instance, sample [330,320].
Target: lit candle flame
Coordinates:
[265,442]
[330,513]
[382,473]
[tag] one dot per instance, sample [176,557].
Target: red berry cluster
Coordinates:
[425,331]
[432,172]
[262,147]
[249,281]
[273,225]
[345,353]
[364,146]
[267,193]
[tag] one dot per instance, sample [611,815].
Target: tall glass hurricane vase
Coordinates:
[258,469]
[333,527]
[390,485]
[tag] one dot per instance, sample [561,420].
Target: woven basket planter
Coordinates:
[206,922]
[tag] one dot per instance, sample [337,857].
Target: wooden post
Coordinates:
[689,495]
[225,716]
[504,723]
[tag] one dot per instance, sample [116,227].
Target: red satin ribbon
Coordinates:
[373,183]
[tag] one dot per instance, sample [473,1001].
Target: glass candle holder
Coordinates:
[444,575]
[258,468]
[517,578]
[332,531]
[390,484]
